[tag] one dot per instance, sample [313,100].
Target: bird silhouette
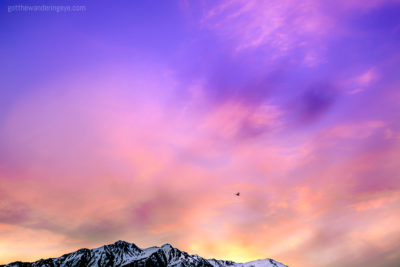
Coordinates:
[237,194]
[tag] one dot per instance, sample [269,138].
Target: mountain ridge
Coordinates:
[124,254]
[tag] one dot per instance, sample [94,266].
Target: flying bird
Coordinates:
[237,194]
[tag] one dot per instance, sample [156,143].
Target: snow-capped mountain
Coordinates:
[126,254]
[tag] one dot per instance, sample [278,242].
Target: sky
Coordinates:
[140,120]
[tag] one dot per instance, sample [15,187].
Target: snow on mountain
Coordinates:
[126,254]
[257,263]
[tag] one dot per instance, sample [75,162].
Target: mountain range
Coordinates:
[126,254]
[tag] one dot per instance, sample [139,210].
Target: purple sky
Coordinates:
[139,120]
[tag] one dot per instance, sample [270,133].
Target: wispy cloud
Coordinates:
[161,119]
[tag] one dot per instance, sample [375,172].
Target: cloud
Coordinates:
[316,101]
[279,25]
[13,212]
[153,151]
[362,81]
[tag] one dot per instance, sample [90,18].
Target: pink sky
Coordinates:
[143,122]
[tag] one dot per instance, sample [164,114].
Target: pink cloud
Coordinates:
[144,172]
[280,25]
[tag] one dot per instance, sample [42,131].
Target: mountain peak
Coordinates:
[125,254]
[122,243]
[167,246]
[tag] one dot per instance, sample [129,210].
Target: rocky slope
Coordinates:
[129,255]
